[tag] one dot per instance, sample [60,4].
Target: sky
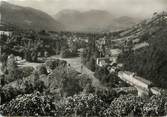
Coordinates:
[136,8]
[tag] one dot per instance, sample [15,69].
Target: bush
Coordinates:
[124,105]
[39,86]
[107,95]
[84,79]
[84,105]
[26,71]
[108,79]
[3,60]
[29,105]
[42,70]
[156,106]
[91,64]
[52,64]
[68,54]
[9,93]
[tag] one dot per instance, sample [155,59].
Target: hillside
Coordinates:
[148,41]
[144,31]
[93,21]
[27,18]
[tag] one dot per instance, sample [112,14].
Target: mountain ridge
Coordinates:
[27,17]
[93,20]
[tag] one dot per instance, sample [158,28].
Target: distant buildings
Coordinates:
[110,59]
[140,46]
[101,62]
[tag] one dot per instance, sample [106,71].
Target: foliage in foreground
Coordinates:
[27,105]
[84,105]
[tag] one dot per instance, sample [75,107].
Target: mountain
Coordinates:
[27,18]
[93,21]
[123,22]
[146,29]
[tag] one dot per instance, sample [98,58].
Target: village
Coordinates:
[108,58]
[84,74]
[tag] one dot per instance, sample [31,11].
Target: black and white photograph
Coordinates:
[83,58]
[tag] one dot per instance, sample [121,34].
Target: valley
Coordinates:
[82,63]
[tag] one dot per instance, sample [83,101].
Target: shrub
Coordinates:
[26,71]
[42,70]
[156,106]
[68,54]
[29,105]
[9,93]
[52,64]
[124,105]
[84,105]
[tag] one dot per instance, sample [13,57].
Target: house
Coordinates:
[114,53]
[103,61]
[127,90]
[156,90]
[109,60]
[135,41]
[140,46]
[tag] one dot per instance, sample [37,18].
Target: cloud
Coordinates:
[141,8]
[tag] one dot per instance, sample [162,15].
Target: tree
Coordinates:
[12,69]
[3,59]
[39,86]
[92,64]
[83,56]
[42,70]
[28,87]
[156,106]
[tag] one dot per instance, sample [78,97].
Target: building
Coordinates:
[114,53]
[143,86]
[101,62]
[134,80]
[140,46]
[156,90]
[126,90]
